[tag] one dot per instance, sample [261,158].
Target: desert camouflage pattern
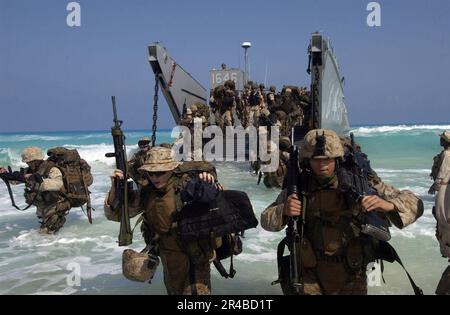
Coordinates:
[183,273]
[159,159]
[51,211]
[443,287]
[408,208]
[440,169]
[446,136]
[32,154]
[333,145]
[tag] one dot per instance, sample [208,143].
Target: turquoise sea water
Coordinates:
[35,264]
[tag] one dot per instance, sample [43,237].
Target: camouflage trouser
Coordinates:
[53,217]
[223,119]
[253,116]
[354,285]
[181,277]
[443,287]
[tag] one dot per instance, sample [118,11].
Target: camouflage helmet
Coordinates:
[138,266]
[265,112]
[281,115]
[285,143]
[230,84]
[261,86]
[446,136]
[31,154]
[159,159]
[194,108]
[144,140]
[321,144]
[272,88]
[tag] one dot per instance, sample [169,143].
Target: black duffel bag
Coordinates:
[213,213]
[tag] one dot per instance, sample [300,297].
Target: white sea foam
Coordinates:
[25,138]
[400,171]
[376,130]
[96,152]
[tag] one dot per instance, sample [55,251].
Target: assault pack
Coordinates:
[77,177]
[221,214]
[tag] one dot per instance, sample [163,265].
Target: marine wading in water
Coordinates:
[337,211]
[440,174]
[188,220]
[54,185]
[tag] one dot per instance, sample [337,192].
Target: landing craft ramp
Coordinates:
[328,106]
[327,87]
[177,85]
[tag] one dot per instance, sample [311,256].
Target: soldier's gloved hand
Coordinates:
[292,206]
[117,174]
[375,203]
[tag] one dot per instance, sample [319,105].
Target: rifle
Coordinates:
[18,176]
[121,185]
[353,179]
[295,227]
[355,173]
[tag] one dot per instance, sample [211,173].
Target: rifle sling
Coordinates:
[394,257]
[11,196]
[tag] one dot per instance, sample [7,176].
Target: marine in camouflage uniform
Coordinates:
[187,119]
[138,160]
[440,173]
[276,179]
[271,99]
[255,103]
[334,255]
[186,265]
[43,189]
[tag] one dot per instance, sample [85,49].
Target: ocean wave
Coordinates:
[411,170]
[90,152]
[372,131]
[95,153]
[25,138]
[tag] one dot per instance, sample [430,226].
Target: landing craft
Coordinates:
[180,88]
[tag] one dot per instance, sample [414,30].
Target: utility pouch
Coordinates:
[332,240]
[308,256]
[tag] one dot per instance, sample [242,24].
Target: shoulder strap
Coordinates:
[388,253]
[11,196]
[45,167]
[280,253]
[220,268]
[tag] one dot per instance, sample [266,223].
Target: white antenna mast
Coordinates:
[265,76]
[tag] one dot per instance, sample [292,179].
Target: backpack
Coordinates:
[208,212]
[77,176]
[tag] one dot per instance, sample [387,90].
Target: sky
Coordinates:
[54,77]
